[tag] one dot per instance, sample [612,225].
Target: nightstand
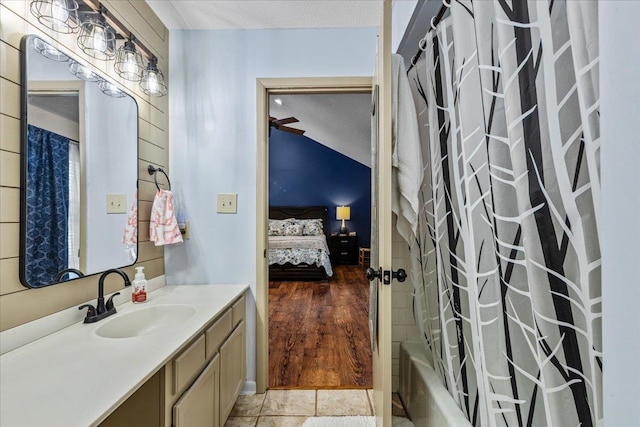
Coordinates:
[343,249]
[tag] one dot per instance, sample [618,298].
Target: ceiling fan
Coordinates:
[280,125]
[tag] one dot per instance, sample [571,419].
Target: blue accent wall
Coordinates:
[304,172]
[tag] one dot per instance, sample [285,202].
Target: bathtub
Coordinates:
[426,400]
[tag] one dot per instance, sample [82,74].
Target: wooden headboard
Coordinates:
[301,212]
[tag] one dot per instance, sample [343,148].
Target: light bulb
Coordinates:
[98,38]
[111,87]
[153,83]
[53,51]
[86,73]
[130,66]
[59,11]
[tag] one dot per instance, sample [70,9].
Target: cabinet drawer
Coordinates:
[239,310]
[188,364]
[217,332]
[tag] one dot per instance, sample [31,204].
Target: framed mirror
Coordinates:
[79,169]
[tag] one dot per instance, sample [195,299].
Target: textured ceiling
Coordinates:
[62,105]
[339,121]
[245,14]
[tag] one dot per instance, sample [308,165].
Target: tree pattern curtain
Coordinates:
[47,205]
[506,264]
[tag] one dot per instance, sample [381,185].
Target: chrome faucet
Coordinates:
[102,310]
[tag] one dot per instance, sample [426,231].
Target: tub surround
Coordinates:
[427,401]
[75,377]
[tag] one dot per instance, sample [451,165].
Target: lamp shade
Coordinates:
[343,212]
[59,15]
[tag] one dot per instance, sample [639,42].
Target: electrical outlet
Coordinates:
[116,203]
[185,230]
[228,203]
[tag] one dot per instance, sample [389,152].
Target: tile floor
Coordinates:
[290,408]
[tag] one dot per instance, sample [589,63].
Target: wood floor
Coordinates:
[319,332]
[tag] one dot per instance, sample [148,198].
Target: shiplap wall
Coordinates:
[18,304]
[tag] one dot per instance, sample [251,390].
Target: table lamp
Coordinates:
[343,213]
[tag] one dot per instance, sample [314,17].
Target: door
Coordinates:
[380,295]
[198,406]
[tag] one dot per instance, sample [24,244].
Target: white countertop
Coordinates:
[73,377]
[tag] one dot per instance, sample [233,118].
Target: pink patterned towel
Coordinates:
[130,235]
[163,227]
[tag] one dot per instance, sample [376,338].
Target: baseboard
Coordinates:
[249,388]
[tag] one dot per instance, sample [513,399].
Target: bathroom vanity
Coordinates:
[178,359]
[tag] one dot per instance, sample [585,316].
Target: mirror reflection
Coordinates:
[79,169]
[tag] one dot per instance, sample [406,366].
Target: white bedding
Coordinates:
[300,249]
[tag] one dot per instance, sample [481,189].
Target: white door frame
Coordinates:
[264,88]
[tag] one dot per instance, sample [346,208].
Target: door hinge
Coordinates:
[264,255]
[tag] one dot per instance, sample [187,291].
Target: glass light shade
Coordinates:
[59,15]
[129,63]
[152,82]
[48,51]
[343,212]
[82,72]
[110,89]
[97,39]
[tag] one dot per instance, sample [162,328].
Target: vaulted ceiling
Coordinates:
[342,122]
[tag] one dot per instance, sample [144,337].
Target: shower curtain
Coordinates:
[47,205]
[506,260]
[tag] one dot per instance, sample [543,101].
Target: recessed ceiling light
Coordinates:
[278,101]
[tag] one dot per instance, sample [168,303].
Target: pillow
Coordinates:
[293,228]
[312,227]
[276,227]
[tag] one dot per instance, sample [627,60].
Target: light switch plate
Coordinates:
[228,203]
[116,203]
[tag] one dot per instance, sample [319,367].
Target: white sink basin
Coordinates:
[145,321]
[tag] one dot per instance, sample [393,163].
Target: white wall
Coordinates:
[620,168]
[212,108]
[50,121]
[111,168]
[400,17]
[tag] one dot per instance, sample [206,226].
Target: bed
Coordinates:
[298,249]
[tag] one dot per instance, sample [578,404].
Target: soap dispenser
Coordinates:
[139,287]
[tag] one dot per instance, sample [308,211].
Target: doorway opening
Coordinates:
[302,349]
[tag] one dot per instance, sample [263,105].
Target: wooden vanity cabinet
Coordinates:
[200,385]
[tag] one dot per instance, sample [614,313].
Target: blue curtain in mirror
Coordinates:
[47,205]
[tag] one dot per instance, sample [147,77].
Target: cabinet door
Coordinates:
[232,370]
[198,406]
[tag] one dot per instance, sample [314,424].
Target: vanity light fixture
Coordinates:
[110,89]
[99,30]
[96,37]
[82,72]
[129,63]
[152,82]
[59,15]
[48,51]
[278,101]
